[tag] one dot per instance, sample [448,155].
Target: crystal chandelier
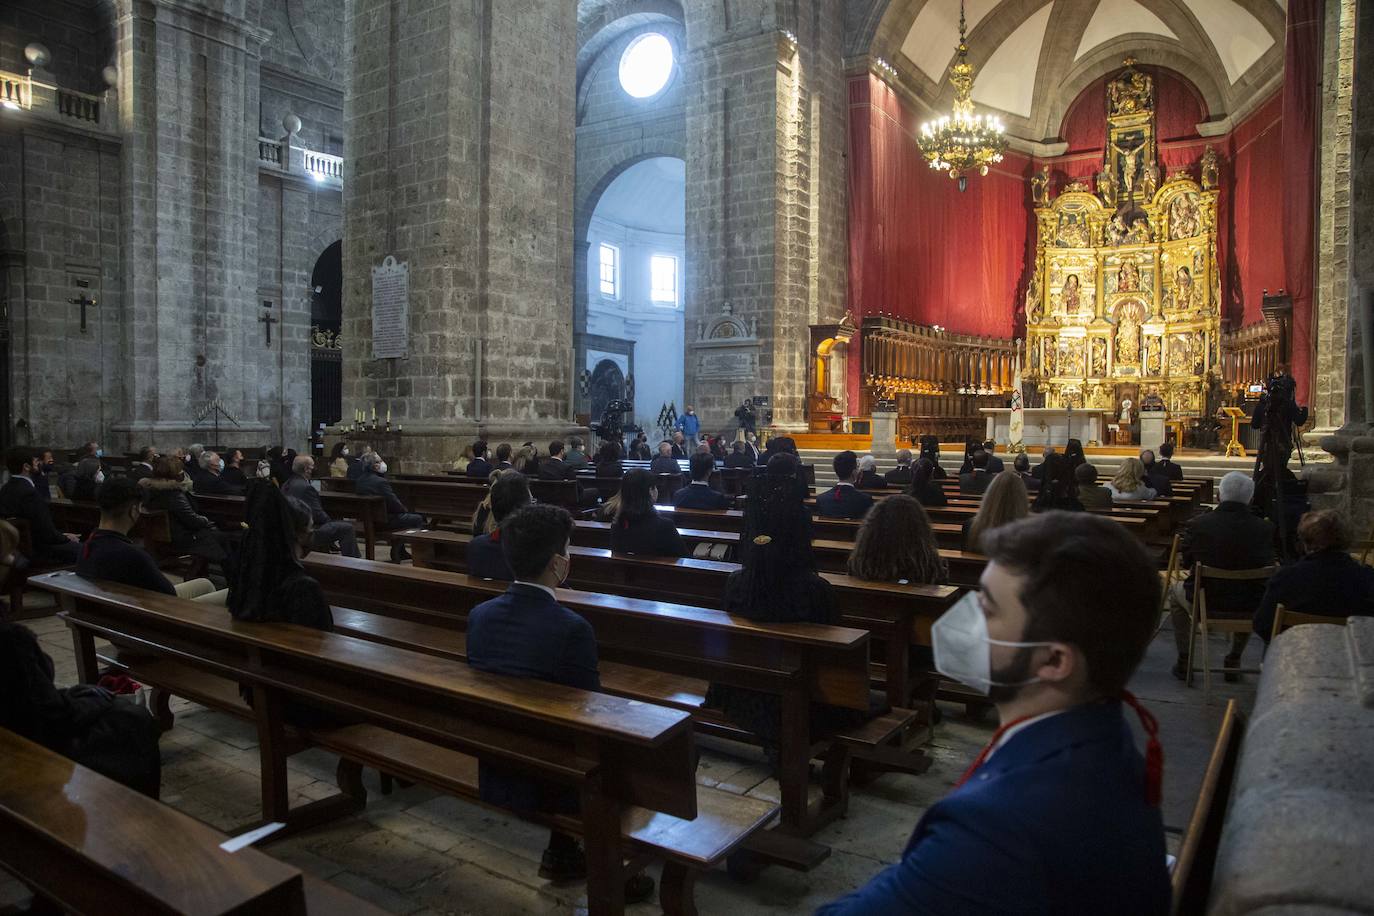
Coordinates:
[964,141]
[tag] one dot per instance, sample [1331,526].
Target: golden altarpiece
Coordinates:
[1123,306]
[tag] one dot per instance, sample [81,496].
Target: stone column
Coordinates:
[188,99]
[1345,263]
[458,126]
[766,201]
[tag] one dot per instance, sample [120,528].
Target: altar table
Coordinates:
[1048,425]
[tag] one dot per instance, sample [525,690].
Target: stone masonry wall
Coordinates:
[460,157]
[766,189]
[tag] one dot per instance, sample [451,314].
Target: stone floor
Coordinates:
[418,852]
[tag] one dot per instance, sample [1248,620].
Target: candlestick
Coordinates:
[374,413]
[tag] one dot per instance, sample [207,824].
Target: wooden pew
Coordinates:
[428,719]
[899,615]
[1192,878]
[965,567]
[802,664]
[369,512]
[88,845]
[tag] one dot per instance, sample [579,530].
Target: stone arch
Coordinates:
[607,384]
[630,153]
[610,20]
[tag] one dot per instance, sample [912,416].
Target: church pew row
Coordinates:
[965,567]
[367,512]
[670,652]
[88,845]
[898,615]
[427,719]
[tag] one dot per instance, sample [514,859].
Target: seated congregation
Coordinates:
[1057,598]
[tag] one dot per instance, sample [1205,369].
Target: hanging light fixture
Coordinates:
[964,141]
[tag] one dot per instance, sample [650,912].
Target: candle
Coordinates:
[374,412]
[388,415]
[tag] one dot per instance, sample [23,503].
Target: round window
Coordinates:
[646,65]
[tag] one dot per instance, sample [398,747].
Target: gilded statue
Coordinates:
[1033,295]
[1130,92]
[1183,288]
[1139,232]
[1127,337]
[1183,217]
[1040,187]
[1106,188]
[1128,276]
[1150,184]
[1070,297]
[1130,162]
[1099,357]
[1073,231]
[1211,169]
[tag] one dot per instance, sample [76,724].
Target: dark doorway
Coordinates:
[326,321]
[607,385]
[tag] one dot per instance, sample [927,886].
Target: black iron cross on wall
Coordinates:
[85,302]
[267,320]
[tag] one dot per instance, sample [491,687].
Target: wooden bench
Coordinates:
[1192,876]
[428,718]
[367,512]
[677,650]
[89,845]
[898,615]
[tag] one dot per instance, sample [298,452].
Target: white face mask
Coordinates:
[264,469]
[344,453]
[99,477]
[963,649]
[381,468]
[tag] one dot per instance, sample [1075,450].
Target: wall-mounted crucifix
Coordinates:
[267,320]
[85,301]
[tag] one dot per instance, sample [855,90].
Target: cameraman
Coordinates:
[1279,494]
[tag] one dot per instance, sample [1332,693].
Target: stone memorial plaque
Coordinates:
[390,309]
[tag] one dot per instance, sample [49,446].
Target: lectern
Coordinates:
[1237,415]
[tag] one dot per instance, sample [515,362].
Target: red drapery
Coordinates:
[1252,256]
[919,248]
[1302,66]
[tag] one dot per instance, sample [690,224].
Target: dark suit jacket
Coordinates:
[975,481]
[300,488]
[20,499]
[843,501]
[700,496]
[486,559]
[1328,582]
[664,464]
[138,471]
[1158,480]
[649,536]
[111,556]
[932,495]
[679,451]
[899,476]
[208,484]
[871,480]
[234,477]
[556,469]
[372,484]
[355,469]
[42,487]
[525,633]
[479,468]
[1094,497]
[1171,470]
[1031,817]
[1229,537]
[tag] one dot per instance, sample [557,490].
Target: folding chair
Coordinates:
[1285,619]
[1170,575]
[1200,620]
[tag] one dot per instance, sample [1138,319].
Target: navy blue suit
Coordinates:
[479,468]
[1054,822]
[525,633]
[1327,582]
[486,559]
[700,496]
[842,501]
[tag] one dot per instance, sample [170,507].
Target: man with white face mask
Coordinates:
[1060,812]
[373,482]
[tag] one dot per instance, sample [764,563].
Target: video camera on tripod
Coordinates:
[1277,418]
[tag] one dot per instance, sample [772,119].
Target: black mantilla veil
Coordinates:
[268,557]
[775,545]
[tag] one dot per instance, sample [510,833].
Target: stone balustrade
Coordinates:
[1300,824]
[20,92]
[284,156]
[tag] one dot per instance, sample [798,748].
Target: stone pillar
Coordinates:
[1345,262]
[766,202]
[458,126]
[188,100]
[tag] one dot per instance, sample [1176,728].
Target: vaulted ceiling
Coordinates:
[1035,56]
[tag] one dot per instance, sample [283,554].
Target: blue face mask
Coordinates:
[100,453]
